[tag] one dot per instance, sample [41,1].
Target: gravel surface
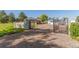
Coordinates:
[40,38]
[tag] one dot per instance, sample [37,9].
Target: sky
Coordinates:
[71,14]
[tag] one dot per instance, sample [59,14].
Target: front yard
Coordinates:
[40,38]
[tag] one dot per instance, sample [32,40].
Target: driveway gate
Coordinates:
[60,25]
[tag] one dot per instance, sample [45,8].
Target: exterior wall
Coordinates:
[72,21]
[33,24]
[19,24]
[50,22]
[26,24]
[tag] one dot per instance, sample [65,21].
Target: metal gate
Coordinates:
[60,25]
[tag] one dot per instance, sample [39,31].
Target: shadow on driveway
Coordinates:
[6,41]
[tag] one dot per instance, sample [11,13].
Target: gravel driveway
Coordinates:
[40,38]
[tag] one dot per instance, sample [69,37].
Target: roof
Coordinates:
[31,18]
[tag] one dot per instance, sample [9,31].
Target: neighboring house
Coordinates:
[29,23]
[18,24]
[72,21]
[50,21]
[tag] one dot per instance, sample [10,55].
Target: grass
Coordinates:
[8,28]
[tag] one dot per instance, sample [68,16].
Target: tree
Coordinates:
[77,19]
[2,12]
[22,16]
[11,17]
[43,17]
[3,17]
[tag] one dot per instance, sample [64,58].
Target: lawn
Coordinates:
[8,28]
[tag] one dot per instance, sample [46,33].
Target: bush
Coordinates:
[17,30]
[2,33]
[8,28]
[74,30]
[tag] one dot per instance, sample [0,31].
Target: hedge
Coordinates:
[74,30]
[8,28]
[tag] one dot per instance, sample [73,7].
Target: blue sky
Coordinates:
[51,13]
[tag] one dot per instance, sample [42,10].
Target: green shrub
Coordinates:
[2,33]
[8,28]
[16,30]
[74,30]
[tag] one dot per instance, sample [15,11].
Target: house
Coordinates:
[72,21]
[28,23]
[18,24]
[50,21]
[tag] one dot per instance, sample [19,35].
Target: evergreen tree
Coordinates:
[3,17]
[22,16]
[11,17]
